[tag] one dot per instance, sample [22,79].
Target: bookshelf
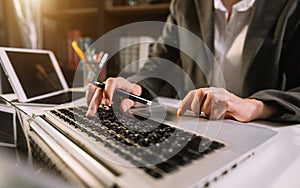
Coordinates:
[60,18]
[2,40]
[4,84]
[139,9]
[118,15]
[92,18]
[71,14]
[3,31]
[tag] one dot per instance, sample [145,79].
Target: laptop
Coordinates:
[8,128]
[150,147]
[36,76]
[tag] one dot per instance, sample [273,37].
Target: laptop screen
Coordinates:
[8,133]
[35,72]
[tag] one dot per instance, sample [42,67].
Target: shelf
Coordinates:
[71,13]
[139,9]
[93,18]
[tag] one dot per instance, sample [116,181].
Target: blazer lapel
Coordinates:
[205,13]
[261,22]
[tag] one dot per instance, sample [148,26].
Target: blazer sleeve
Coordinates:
[159,52]
[287,102]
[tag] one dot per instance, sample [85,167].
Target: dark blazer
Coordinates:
[271,54]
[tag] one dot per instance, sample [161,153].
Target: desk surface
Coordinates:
[278,166]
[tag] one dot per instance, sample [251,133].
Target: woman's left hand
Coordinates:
[217,103]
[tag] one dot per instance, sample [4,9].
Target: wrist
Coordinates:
[262,110]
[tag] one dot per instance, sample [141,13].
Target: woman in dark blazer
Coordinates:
[270,69]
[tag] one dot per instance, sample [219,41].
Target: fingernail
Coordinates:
[179,112]
[108,102]
[89,113]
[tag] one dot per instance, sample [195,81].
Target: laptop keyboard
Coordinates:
[155,147]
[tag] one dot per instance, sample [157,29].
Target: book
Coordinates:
[73,59]
[134,50]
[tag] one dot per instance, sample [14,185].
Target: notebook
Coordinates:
[36,76]
[149,147]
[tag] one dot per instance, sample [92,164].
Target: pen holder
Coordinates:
[91,72]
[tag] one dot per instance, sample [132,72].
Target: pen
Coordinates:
[125,94]
[78,51]
[89,53]
[103,60]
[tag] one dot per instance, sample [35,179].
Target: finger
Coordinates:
[90,90]
[126,104]
[197,102]
[218,104]
[104,100]
[136,89]
[206,107]
[218,108]
[95,103]
[218,114]
[213,107]
[195,105]
[112,84]
[128,86]
[186,103]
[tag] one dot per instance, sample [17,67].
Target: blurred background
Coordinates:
[54,24]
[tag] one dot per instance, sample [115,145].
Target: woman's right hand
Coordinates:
[96,96]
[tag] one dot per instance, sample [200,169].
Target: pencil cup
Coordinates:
[91,72]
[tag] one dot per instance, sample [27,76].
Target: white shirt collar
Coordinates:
[242,5]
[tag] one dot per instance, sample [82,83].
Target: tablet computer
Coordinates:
[34,74]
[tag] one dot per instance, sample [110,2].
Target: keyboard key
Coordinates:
[153,173]
[167,166]
[180,159]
